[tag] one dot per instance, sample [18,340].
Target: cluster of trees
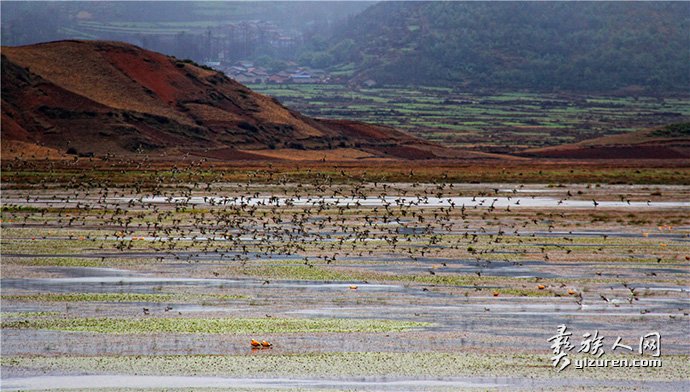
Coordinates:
[575,46]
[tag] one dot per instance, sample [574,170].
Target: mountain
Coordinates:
[669,142]
[97,98]
[542,46]
[244,30]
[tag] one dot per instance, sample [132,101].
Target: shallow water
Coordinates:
[117,283]
[458,202]
[369,384]
[463,318]
[501,202]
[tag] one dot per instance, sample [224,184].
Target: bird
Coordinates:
[255,343]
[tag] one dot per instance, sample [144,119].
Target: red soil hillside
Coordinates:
[670,142]
[95,97]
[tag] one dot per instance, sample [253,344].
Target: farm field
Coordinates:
[193,19]
[502,122]
[157,280]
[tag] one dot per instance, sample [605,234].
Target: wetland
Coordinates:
[356,284]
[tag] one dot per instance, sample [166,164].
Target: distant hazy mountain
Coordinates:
[571,46]
[199,30]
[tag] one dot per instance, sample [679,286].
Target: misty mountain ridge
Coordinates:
[601,47]
[543,46]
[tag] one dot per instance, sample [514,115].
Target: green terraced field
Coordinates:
[505,122]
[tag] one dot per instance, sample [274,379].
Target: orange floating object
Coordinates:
[266,344]
[255,343]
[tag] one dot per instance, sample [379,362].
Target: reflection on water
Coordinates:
[352,202]
[365,383]
[468,202]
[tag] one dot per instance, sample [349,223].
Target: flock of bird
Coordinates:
[191,214]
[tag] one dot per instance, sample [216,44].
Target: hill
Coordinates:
[541,46]
[187,29]
[669,142]
[97,98]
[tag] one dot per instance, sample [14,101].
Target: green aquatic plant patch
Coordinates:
[214,325]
